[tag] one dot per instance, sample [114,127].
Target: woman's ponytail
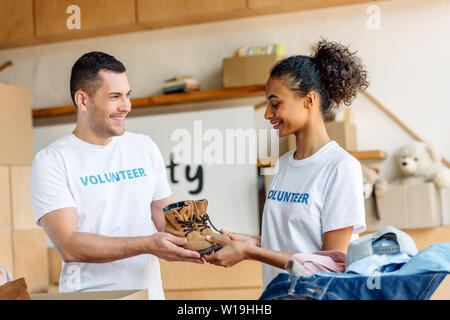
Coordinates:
[333,71]
[342,72]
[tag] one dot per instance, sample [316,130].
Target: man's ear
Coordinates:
[81,100]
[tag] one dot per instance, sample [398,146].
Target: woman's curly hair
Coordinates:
[334,72]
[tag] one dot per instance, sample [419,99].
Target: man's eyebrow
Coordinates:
[117,93]
[271,96]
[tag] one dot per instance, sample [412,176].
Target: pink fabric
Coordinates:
[3,279]
[322,261]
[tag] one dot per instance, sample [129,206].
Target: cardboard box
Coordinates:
[344,133]
[5,200]
[207,281]
[247,71]
[54,266]
[444,195]
[443,291]
[215,294]
[14,290]
[6,254]
[22,210]
[94,295]
[410,206]
[30,258]
[428,236]
[16,129]
[245,274]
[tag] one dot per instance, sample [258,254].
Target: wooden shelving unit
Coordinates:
[199,96]
[167,100]
[360,155]
[369,155]
[33,22]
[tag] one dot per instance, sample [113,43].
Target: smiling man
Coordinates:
[99,192]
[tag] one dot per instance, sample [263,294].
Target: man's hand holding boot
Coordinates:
[169,247]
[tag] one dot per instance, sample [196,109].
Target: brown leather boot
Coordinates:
[180,222]
[201,219]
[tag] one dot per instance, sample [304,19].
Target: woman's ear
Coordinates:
[310,99]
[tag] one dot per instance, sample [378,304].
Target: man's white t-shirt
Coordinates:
[111,188]
[309,197]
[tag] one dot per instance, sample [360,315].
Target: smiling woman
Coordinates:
[334,75]
[315,200]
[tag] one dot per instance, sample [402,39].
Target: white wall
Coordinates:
[407,61]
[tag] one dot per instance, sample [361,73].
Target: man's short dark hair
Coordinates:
[85,71]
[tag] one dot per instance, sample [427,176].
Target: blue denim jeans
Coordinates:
[355,287]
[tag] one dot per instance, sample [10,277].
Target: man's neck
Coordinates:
[89,137]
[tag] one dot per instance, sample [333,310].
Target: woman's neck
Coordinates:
[310,139]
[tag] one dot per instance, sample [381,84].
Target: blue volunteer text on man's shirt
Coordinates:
[285,196]
[113,176]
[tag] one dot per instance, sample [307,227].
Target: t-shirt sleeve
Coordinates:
[344,200]
[49,186]
[162,188]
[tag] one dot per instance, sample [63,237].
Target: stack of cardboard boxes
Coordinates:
[410,206]
[210,282]
[248,70]
[205,282]
[22,243]
[343,132]
[406,207]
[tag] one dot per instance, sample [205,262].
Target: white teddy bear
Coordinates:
[419,163]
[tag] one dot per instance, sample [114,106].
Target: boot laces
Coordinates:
[203,221]
[187,225]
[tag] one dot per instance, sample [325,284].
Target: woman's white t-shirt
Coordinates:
[309,197]
[112,188]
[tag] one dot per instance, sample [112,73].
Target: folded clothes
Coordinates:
[387,246]
[5,276]
[383,265]
[330,286]
[2,277]
[306,264]
[378,264]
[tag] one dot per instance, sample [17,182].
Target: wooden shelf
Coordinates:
[266,162]
[369,155]
[168,99]
[33,22]
[360,155]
